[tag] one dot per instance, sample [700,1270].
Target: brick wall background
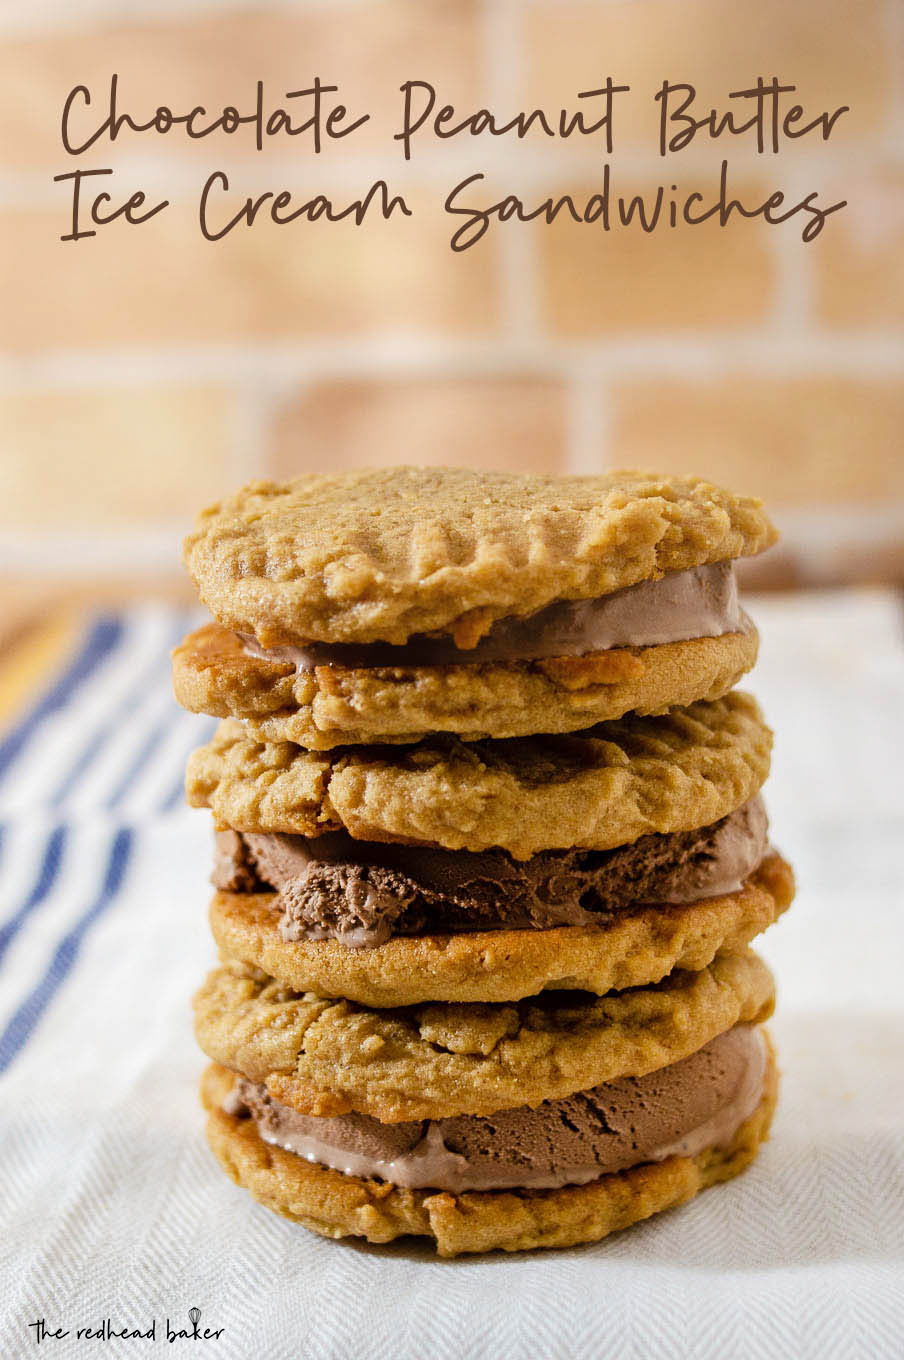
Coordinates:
[146,371]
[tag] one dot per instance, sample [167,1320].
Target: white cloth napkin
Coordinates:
[113,1208]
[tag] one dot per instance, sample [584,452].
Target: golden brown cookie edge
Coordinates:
[336,706]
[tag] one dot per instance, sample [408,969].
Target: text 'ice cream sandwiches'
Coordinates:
[490,850]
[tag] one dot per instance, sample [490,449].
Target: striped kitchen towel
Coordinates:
[97,759]
[107,735]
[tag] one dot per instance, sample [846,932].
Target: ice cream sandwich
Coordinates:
[385,605]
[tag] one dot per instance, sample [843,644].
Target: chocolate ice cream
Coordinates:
[700,602]
[678,1111]
[362,892]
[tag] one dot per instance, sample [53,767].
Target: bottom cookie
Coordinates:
[338,1205]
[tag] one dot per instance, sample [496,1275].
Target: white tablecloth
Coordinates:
[112,1207]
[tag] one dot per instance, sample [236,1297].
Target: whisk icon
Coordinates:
[194,1317]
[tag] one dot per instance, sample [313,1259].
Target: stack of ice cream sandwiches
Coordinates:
[490,850]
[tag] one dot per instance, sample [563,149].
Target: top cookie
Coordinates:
[381,555]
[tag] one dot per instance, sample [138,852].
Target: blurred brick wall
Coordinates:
[147,371]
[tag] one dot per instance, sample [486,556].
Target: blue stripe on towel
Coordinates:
[138,762]
[205,728]
[23,1022]
[47,876]
[176,796]
[103,637]
[113,724]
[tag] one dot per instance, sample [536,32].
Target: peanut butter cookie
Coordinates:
[596,789]
[327,1057]
[384,554]
[336,705]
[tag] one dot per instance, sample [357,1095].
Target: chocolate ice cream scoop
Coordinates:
[699,602]
[362,892]
[696,1103]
